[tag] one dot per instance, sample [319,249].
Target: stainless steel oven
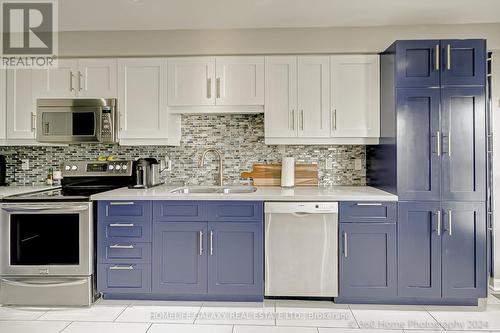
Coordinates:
[46,250]
[76,120]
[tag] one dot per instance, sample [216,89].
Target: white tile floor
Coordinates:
[268,317]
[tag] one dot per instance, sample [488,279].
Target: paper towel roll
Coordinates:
[288,172]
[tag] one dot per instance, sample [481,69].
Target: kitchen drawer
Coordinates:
[123,252]
[178,211]
[124,211]
[236,211]
[351,211]
[125,231]
[124,278]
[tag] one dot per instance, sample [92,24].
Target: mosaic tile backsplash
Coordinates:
[239,137]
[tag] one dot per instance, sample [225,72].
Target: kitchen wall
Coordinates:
[239,137]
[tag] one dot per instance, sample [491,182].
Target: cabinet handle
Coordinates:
[449,223]
[33,121]
[80,81]
[345,244]
[209,88]
[368,204]
[117,246]
[438,214]
[118,225]
[211,242]
[121,203]
[293,119]
[218,87]
[449,143]
[200,243]
[71,76]
[448,57]
[301,120]
[438,50]
[334,119]
[438,141]
[121,268]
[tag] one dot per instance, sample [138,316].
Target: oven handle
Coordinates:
[14,208]
[46,284]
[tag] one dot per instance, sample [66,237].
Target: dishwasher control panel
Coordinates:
[301,207]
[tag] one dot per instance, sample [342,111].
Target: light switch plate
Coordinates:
[329,163]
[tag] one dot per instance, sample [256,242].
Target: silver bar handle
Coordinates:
[209,88]
[33,121]
[345,244]
[334,119]
[368,204]
[119,225]
[301,120]
[438,214]
[449,143]
[438,142]
[449,223]
[121,268]
[211,242]
[218,87]
[438,51]
[200,243]
[80,81]
[115,203]
[15,208]
[448,57]
[293,119]
[71,76]
[117,246]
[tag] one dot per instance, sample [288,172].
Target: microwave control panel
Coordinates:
[107,130]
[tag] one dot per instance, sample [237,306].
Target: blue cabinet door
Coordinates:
[417,64]
[464,62]
[180,258]
[367,260]
[464,140]
[419,249]
[235,257]
[419,150]
[464,250]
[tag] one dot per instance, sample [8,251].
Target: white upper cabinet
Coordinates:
[280,110]
[355,96]
[191,81]
[3,104]
[142,89]
[239,80]
[93,78]
[97,78]
[21,105]
[313,96]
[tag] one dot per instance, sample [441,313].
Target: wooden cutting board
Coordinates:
[270,174]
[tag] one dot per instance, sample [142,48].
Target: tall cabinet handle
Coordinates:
[80,81]
[438,214]
[209,88]
[438,50]
[218,87]
[33,121]
[438,142]
[448,57]
[450,226]
[293,119]
[200,243]
[334,119]
[301,120]
[71,76]
[449,143]
[345,244]
[211,242]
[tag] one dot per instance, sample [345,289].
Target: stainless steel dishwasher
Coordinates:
[301,246]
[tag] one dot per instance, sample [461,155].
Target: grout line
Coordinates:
[65,327]
[355,319]
[437,321]
[232,329]
[126,307]
[149,327]
[198,313]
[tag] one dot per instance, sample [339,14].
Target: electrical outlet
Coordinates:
[25,164]
[357,164]
[329,163]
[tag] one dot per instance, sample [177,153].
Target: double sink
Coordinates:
[214,190]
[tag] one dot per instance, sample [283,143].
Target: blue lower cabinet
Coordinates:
[124,252]
[124,278]
[235,261]
[419,249]
[124,210]
[367,260]
[464,266]
[180,258]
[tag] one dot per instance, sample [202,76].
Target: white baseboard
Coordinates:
[495,285]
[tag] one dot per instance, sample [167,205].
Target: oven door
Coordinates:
[40,239]
[68,124]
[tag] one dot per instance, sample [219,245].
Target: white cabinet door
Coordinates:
[239,80]
[313,96]
[21,105]
[142,98]
[355,96]
[61,81]
[3,104]
[191,81]
[97,78]
[280,110]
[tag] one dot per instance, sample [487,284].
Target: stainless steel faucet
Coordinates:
[219,155]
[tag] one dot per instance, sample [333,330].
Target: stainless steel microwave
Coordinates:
[76,120]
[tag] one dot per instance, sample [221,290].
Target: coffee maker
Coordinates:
[146,172]
[3,171]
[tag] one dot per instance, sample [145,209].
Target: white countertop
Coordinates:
[16,189]
[263,193]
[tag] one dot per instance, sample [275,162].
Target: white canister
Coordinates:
[288,172]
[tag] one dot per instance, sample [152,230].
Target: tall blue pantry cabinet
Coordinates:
[432,154]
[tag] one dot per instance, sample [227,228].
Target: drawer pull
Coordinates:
[122,203]
[117,246]
[121,225]
[368,204]
[121,268]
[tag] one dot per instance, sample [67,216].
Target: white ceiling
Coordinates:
[92,15]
